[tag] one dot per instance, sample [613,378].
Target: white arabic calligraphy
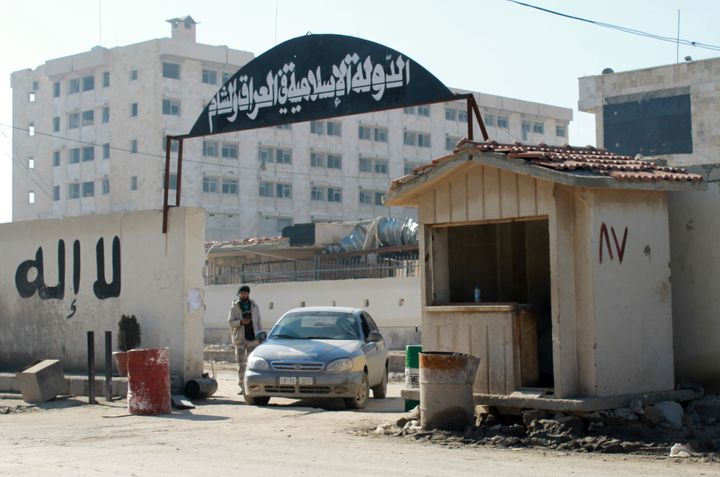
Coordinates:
[281,87]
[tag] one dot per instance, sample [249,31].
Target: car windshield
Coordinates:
[316,325]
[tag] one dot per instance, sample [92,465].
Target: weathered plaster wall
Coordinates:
[160,282]
[394,304]
[694,228]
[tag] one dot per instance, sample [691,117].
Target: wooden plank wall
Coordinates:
[485,193]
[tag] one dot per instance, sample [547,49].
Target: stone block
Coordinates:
[41,381]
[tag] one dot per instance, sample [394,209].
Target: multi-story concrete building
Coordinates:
[90,130]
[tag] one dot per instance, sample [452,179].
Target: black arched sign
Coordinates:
[316,77]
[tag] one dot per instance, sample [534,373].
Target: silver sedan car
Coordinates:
[319,352]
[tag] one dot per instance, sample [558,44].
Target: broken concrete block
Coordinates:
[41,381]
[672,412]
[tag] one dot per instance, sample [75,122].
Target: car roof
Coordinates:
[337,309]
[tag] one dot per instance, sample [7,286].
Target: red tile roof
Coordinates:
[567,159]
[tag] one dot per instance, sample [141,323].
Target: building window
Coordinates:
[266,189]
[105,186]
[424,140]
[276,155]
[133,110]
[171,70]
[410,138]
[74,86]
[365,165]
[209,76]
[334,194]
[174,145]
[317,193]
[106,150]
[106,79]
[31,97]
[334,128]
[365,197]
[283,191]
[423,111]
[172,183]
[134,146]
[283,222]
[462,116]
[526,128]
[56,89]
[133,183]
[56,124]
[560,130]
[56,193]
[407,110]
[381,134]
[88,189]
[451,142]
[73,191]
[74,155]
[171,107]
[380,166]
[334,161]
[365,132]
[210,148]
[451,114]
[88,118]
[106,114]
[489,120]
[317,127]
[317,159]
[31,163]
[31,197]
[133,77]
[88,153]
[73,120]
[229,186]
[502,122]
[56,158]
[226,77]
[229,150]
[538,127]
[88,83]
[35,85]
[31,129]
[379,198]
[210,184]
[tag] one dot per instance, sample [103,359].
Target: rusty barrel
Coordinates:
[446,382]
[149,381]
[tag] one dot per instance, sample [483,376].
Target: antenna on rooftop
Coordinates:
[99,22]
[677,43]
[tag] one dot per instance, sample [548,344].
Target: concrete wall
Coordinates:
[694,228]
[394,304]
[160,282]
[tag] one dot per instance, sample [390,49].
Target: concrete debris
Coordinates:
[680,450]
[672,413]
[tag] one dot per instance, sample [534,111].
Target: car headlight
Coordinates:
[258,364]
[342,364]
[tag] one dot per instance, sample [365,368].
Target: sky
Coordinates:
[492,46]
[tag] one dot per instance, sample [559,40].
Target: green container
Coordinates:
[412,356]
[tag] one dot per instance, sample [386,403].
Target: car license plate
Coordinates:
[287,380]
[306,381]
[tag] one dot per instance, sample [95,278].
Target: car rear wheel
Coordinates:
[380,391]
[361,397]
[257,401]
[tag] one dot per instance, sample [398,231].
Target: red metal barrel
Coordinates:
[149,381]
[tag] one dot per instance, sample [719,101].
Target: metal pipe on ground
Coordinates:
[446,382]
[201,388]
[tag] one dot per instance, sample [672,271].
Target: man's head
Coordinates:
[244,292]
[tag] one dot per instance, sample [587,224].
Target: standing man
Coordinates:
[245,324]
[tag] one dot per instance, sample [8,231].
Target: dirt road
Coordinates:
[224,437]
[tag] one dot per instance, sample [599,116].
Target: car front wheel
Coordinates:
[361,396]
[380,391]
[256,401]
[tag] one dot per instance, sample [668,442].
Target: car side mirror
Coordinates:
[374,336]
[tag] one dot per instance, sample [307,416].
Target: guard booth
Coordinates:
[569,248]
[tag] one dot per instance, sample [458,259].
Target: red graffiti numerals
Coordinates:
[605,240]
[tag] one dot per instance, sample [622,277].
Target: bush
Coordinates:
[128,333]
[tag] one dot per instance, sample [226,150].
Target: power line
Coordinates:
[623,29]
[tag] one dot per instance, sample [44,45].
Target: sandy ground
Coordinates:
[222,435]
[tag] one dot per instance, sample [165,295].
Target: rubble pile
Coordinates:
[664,428]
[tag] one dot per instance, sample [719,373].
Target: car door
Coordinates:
[374,350]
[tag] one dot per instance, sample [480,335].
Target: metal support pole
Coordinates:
[469,118]
[479,118]
[108,365]
[91,367]
[166,183]
[179,172]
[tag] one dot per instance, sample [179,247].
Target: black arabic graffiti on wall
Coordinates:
[101,288]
